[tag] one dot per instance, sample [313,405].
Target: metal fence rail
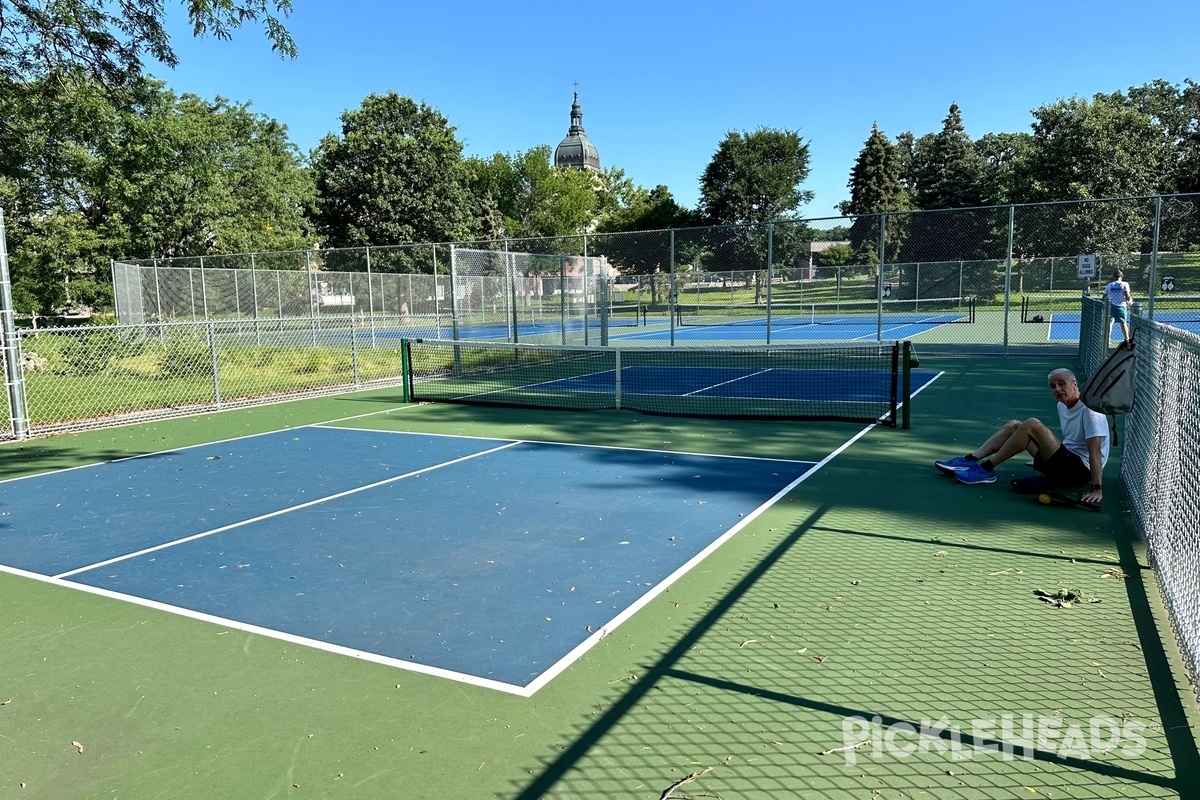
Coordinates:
[86,377]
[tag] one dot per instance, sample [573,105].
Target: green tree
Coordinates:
[48,49]
[1103,148]
[635,236]
[157,175]
[752,180]
[838,255]
[912,153]
[949,178]
[90,38]
[188,176]
[1177,111]
[395,175]
[755,177]
[537,199]
[1005,170]
[1084,150]
[875,187]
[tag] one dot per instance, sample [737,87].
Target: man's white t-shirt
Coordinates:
[1116,292]
[1079,423]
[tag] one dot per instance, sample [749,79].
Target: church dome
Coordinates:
[576,150]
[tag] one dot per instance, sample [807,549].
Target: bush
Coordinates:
[89,354]
[185,354]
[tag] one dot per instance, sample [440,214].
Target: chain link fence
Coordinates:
[1011,272]
[214,332]
[1159,469]
[999,280]
[83,377]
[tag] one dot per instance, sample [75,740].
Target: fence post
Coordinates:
[203,288]
[453,292]
[671,289]
[879,277]
[770,263]
[587,278]
[254,297]
[314,297]
[1008,276]
[1154,258]
[371,300]
[14,376]
[216,367]
[354,347]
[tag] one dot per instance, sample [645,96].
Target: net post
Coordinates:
[906,384]
[406,370]
[893,415]
[617,379]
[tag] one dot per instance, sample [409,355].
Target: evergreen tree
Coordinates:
[874,188]
[950,178]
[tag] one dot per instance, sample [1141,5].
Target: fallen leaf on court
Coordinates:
[77,746]
[1064,598]
[5,702]
[748,641]
[801,650]
[1113,572]
[940,554]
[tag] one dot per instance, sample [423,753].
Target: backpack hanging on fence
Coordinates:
[1111,390]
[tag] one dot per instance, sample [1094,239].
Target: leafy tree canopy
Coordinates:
[395,175]
[91,37]
[536,198]
[755,178]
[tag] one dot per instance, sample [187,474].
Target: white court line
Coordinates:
[206,444]
[524,691]
[577,444]
[271,633]
[277,513]
[555,669]
[731,380]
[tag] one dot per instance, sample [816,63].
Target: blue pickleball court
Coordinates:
[491,561]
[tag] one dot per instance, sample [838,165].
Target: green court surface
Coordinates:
[798,660]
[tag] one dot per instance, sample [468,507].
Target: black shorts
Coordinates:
[1064,468]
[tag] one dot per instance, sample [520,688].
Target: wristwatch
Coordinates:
[1097,487]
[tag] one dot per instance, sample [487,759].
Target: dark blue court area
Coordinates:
[776,383]
[491,561]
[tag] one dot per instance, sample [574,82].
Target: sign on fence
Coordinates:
[1086,267]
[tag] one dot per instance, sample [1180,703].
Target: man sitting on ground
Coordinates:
[1076,460]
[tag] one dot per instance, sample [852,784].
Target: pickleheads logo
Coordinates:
[1008,736]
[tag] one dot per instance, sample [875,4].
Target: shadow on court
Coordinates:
[890,640]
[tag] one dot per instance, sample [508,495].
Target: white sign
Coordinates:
[1087,266]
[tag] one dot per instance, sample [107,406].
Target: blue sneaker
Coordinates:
[975,474]
[953,465]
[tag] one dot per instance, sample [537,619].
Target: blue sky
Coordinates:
[661,83]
